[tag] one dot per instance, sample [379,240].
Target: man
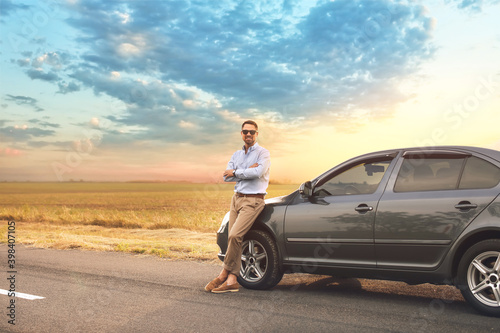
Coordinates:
[249,168]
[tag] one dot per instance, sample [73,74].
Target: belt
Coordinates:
[261,196]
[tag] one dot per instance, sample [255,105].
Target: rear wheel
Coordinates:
[260,268]
[479,276]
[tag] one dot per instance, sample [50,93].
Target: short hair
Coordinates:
[250,122]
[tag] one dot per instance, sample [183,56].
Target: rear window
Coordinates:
[446,173]
[479,173]
[429,174]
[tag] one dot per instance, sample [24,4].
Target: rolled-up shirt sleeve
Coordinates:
[231,165]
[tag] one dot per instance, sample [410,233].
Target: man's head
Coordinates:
[249,132]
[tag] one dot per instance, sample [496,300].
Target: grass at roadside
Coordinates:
[169,220]
[166,243]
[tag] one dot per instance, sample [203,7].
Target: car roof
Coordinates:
[494,154]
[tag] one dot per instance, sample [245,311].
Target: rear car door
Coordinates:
[429,200]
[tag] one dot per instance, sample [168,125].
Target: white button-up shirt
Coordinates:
[250,180]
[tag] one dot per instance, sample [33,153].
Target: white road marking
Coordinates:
[21,295]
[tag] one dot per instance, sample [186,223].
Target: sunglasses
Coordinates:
[252,132]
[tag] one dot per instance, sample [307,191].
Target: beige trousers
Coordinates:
[242,215]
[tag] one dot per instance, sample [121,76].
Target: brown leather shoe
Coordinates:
[213,284]
[225,288]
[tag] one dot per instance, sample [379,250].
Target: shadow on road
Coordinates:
[423,295]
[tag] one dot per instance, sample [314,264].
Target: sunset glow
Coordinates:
[157,90]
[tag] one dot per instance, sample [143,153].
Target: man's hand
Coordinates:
[229,173]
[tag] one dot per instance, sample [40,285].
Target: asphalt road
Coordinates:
[113,292]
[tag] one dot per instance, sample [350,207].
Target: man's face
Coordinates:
[248,138]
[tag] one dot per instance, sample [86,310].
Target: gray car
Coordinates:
[419,215]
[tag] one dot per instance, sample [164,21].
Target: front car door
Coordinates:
[335,225]
[429,200]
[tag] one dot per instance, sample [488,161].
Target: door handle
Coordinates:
[363,208]
[465,205]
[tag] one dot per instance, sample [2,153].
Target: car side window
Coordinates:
[429,174]
[361,178]
[478,174]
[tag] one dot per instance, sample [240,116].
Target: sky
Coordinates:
[157,90]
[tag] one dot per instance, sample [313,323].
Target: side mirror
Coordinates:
[306,189]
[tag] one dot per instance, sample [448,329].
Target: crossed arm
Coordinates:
[230,172]
[256,170]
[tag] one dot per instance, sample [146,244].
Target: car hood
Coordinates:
[280,201]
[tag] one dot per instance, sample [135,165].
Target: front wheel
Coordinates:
[479,276]
[260,268]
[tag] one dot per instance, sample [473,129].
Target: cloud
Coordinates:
[180,65]
[65,88]
[25,100]
[53,59]
[23,62]
[50,67]
[8,7]
[23,133]
[46,68]
[43,123]
[41,75]
[58,145]
[473,5]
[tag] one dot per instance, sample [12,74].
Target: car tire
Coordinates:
[479,276]
[260,267]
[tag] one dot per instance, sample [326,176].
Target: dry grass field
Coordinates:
[177,221]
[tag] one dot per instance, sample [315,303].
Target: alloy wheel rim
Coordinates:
[253,261]
[483,277]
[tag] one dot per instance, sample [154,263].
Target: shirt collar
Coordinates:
[252,147]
